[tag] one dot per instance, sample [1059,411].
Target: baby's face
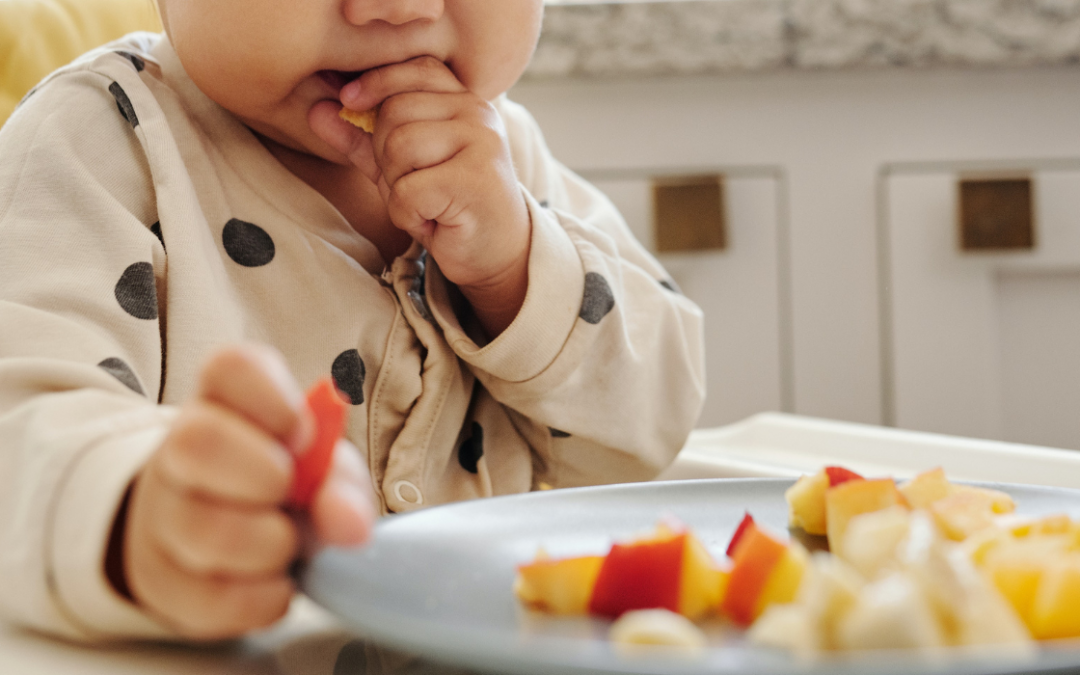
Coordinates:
[270,61]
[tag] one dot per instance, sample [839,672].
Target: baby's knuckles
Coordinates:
[209,538]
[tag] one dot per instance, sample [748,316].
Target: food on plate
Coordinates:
[365,119]
[765,571]
[655,628]
[558,586]
[922,565]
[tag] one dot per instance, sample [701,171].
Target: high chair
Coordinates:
[39,36]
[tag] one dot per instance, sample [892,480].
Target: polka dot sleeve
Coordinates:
[82,263]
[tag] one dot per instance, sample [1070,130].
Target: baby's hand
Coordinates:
[441,160]
[207,546]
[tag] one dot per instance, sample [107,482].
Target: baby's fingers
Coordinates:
[210,538]
[254,381]
[343,511]
[352,144]
[214,452]
[424,73]
[211,607]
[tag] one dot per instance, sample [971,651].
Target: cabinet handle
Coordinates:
[996,214]
[689,213]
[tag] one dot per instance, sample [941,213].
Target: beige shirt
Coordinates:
[142,226]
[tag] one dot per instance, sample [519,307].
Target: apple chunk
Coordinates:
[847,500]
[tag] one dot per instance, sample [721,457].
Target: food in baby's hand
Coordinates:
[365,119]
[312,466]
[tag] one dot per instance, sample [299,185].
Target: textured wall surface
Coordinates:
[718,36]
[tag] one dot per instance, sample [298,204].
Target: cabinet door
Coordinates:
[982,343]
[739,289]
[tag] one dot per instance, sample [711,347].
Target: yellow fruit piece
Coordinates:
[1017,568]
[806,503]
[364,119]
[702,584]
[558,586]
[999,501]
[783,583]
[847,500]
[926,488]
[964,513]
[1056,610]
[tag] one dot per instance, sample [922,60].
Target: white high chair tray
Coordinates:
[438,583]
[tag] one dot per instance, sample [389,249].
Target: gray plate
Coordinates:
[438,583]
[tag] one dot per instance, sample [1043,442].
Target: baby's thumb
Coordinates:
[354,145]
[343,512]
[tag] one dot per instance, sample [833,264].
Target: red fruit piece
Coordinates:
[313,465]
[754,561]
[639,575]
[838,475]
[746,522]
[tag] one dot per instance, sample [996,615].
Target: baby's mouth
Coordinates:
[338,78]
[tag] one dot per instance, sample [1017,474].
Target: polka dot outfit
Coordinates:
[142,226]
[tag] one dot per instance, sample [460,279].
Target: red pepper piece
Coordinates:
[747,521]
[639,575]
[838,475]
[313,465]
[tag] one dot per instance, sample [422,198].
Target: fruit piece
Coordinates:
[783,582]
[364,119]
[926,488]
[847,500]
[558,586]
[787,627]
[806,503]
[891,613]
[998,500]
[643,574]
[746,522]
[656,628]
[871,540]
[314,463]
[829,590]
[838,475]
[702,584]
[1054,614]
[967,511]
[1016,568]
[754,559]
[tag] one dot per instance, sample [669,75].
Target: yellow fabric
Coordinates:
[39,36]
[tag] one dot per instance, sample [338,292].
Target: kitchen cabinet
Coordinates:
[843,149]
[982,343]
[740,287]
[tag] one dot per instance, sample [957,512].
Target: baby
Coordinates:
[189,232]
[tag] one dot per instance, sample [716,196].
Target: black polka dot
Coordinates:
[558,433]
[124,104]
[670,285]
[136,291]
[349,373]
[598,299]
[135,60]
[247,244]
[472,449]
[123,372]
[352,659]
[544,203]
[156,229]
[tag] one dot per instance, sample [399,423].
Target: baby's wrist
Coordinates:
[496,304]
